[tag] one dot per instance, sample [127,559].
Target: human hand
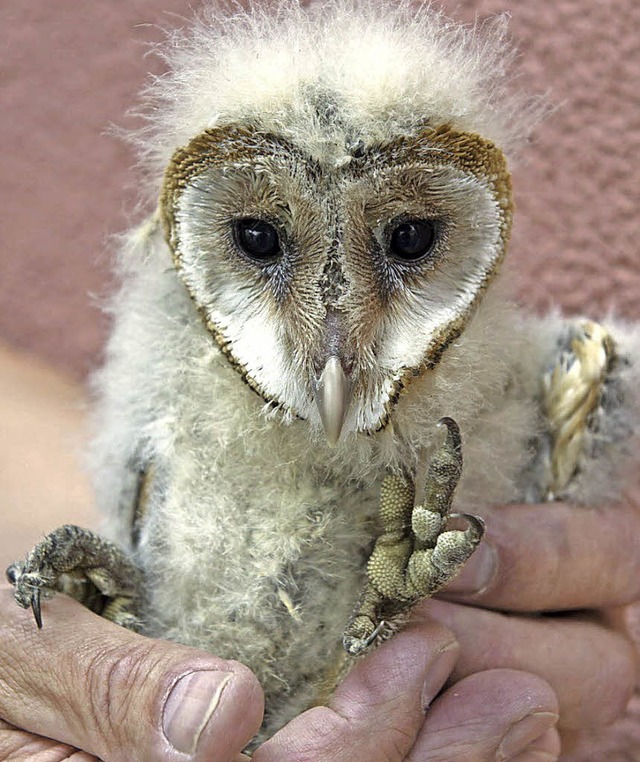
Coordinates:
[377,714]
[583,562]
[83,683]
[93,686]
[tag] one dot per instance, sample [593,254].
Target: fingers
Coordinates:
[378,710]
[16,744]
[121,697]
[500,714]
[377,714]
[591,669]
[554,557]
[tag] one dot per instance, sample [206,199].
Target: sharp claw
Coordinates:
[12,573]
[476,524]
[453,432]
[35,607]
[357,646]
[374,634]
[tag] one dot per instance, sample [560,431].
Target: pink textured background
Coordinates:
[67,75]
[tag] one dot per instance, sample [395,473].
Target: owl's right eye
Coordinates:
[256,238]
[412,240]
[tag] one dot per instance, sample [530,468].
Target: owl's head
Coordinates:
[336,196]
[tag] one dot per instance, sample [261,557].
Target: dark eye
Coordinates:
[412,240]
[257,238]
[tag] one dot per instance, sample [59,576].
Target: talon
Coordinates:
[476,527]
[81,564]
[368,641]
[356,646]
[454,438]
[35,607]
[12,573]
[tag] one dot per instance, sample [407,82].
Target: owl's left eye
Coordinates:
[256,238]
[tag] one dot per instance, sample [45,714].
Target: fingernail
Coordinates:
[190,705]
[438,672]
[523,733]
[477,573]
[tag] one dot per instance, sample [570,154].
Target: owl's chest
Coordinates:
[256,563]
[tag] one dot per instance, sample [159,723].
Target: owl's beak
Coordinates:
[332,392]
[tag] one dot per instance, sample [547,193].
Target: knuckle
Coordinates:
[393,742]
[326,727]
[606,688]
[326,736]
[619,684]
[114,680]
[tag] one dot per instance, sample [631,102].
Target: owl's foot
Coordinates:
[81,564]
[419,551]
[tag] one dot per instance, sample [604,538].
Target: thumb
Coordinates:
[122,697]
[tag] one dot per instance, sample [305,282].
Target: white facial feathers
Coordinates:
[377,262]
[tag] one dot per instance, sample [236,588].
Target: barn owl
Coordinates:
[315,378]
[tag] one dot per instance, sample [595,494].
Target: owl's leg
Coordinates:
[418,551]
[81,564]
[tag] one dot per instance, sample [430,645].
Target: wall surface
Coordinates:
[66,185]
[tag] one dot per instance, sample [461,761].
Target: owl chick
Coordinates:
[310,337]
